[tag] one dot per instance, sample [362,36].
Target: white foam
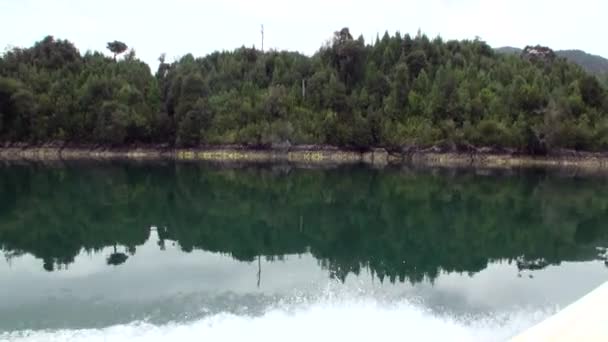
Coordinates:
[345,320]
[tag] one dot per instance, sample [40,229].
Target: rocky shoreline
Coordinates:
[310,154]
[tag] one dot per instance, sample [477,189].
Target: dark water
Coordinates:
[187,251]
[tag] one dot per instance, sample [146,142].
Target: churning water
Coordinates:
[325,320]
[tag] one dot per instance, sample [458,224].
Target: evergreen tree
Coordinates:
[396,90]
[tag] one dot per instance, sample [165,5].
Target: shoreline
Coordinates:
[310,154]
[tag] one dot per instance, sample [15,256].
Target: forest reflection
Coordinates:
[401,225]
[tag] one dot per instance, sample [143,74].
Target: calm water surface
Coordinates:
[113,252]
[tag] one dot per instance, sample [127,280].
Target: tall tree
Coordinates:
[117,47]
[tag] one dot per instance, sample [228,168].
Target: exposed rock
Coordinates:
[466,148]
[283,145]
[376,156]
[564,152]
[494,150]
[447,146]
[313,148]
[408,149]
[380,156]
[395,157]
[538,54]
[434,149]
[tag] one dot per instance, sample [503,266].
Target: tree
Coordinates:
[8,111]
[347,57]
[192,88]
[117,47]
[188,132]
[396,90]
[275,103]
[112,122]
[400,89]
[116,258]
[591,91]
[416,62]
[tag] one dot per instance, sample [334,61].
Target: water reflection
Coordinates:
[398,225]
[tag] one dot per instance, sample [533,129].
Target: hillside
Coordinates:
[509,50]
[594,64]
[399,92]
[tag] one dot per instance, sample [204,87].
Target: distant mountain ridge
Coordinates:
[594,64]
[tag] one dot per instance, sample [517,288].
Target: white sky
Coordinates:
[181,26]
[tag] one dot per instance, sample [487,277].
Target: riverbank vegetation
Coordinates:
[396,92]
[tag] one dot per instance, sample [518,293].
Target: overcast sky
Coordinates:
[180,26]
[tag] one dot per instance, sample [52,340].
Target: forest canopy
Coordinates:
[398,91]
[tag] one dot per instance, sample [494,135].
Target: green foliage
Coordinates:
[416,62]
[50,92]
[489,132]
[591,91]
[188,131]
[398,90]
[111,126]
[117,47]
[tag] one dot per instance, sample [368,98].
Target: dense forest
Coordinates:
[397,92]
[350,220]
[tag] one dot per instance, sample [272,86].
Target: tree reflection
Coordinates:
[116,258]
[401,226]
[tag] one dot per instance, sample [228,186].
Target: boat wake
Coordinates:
[326,320]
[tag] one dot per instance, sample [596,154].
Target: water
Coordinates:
[128,252]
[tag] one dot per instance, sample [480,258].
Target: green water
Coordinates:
[90,246]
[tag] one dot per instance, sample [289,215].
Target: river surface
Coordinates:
[181,252]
